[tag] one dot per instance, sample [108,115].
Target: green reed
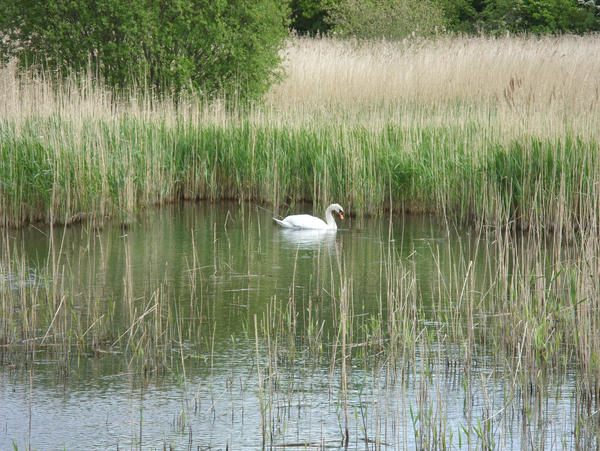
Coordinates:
[61,171]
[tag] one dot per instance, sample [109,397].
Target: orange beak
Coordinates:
[341,215]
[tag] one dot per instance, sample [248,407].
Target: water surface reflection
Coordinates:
[227,272]
[309,239]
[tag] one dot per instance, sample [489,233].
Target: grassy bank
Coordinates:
[489,130]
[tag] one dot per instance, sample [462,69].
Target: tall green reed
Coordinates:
[56,170]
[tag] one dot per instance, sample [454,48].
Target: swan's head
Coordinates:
[337,209]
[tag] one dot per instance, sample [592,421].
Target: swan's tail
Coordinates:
[281,223]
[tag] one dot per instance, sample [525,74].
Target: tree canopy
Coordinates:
[464,16]
[232,47]
[211,46]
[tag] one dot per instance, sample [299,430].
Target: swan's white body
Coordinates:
[312,222]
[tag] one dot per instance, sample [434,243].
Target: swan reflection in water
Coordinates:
[309,239]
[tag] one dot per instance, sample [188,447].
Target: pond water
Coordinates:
[226,272]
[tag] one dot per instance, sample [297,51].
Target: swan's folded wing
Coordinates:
[303,222]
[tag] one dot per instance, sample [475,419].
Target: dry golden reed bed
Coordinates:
[536,84]
[544,71]
[534,75]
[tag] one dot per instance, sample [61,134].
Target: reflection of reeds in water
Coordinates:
[506,307]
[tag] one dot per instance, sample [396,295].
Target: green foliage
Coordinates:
[540,16]
[310,16]
[388,19]
[396,19]
[461,15]
[221,46]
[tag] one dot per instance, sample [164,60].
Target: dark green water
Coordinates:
[227,265]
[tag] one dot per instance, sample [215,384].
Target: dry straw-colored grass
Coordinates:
[543,77]
[82,97]
[551,80]
[535,71]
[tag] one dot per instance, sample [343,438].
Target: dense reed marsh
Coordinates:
[203,325]
[489,130]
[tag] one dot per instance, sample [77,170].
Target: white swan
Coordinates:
[312,222]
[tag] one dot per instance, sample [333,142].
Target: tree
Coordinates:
[461,15]
[310,16]
[210,46]
[540,16]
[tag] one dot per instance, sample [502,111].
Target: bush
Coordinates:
[541,16]
[310,16]
[388,19]
[210,46]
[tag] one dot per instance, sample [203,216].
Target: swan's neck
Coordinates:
[329,219]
